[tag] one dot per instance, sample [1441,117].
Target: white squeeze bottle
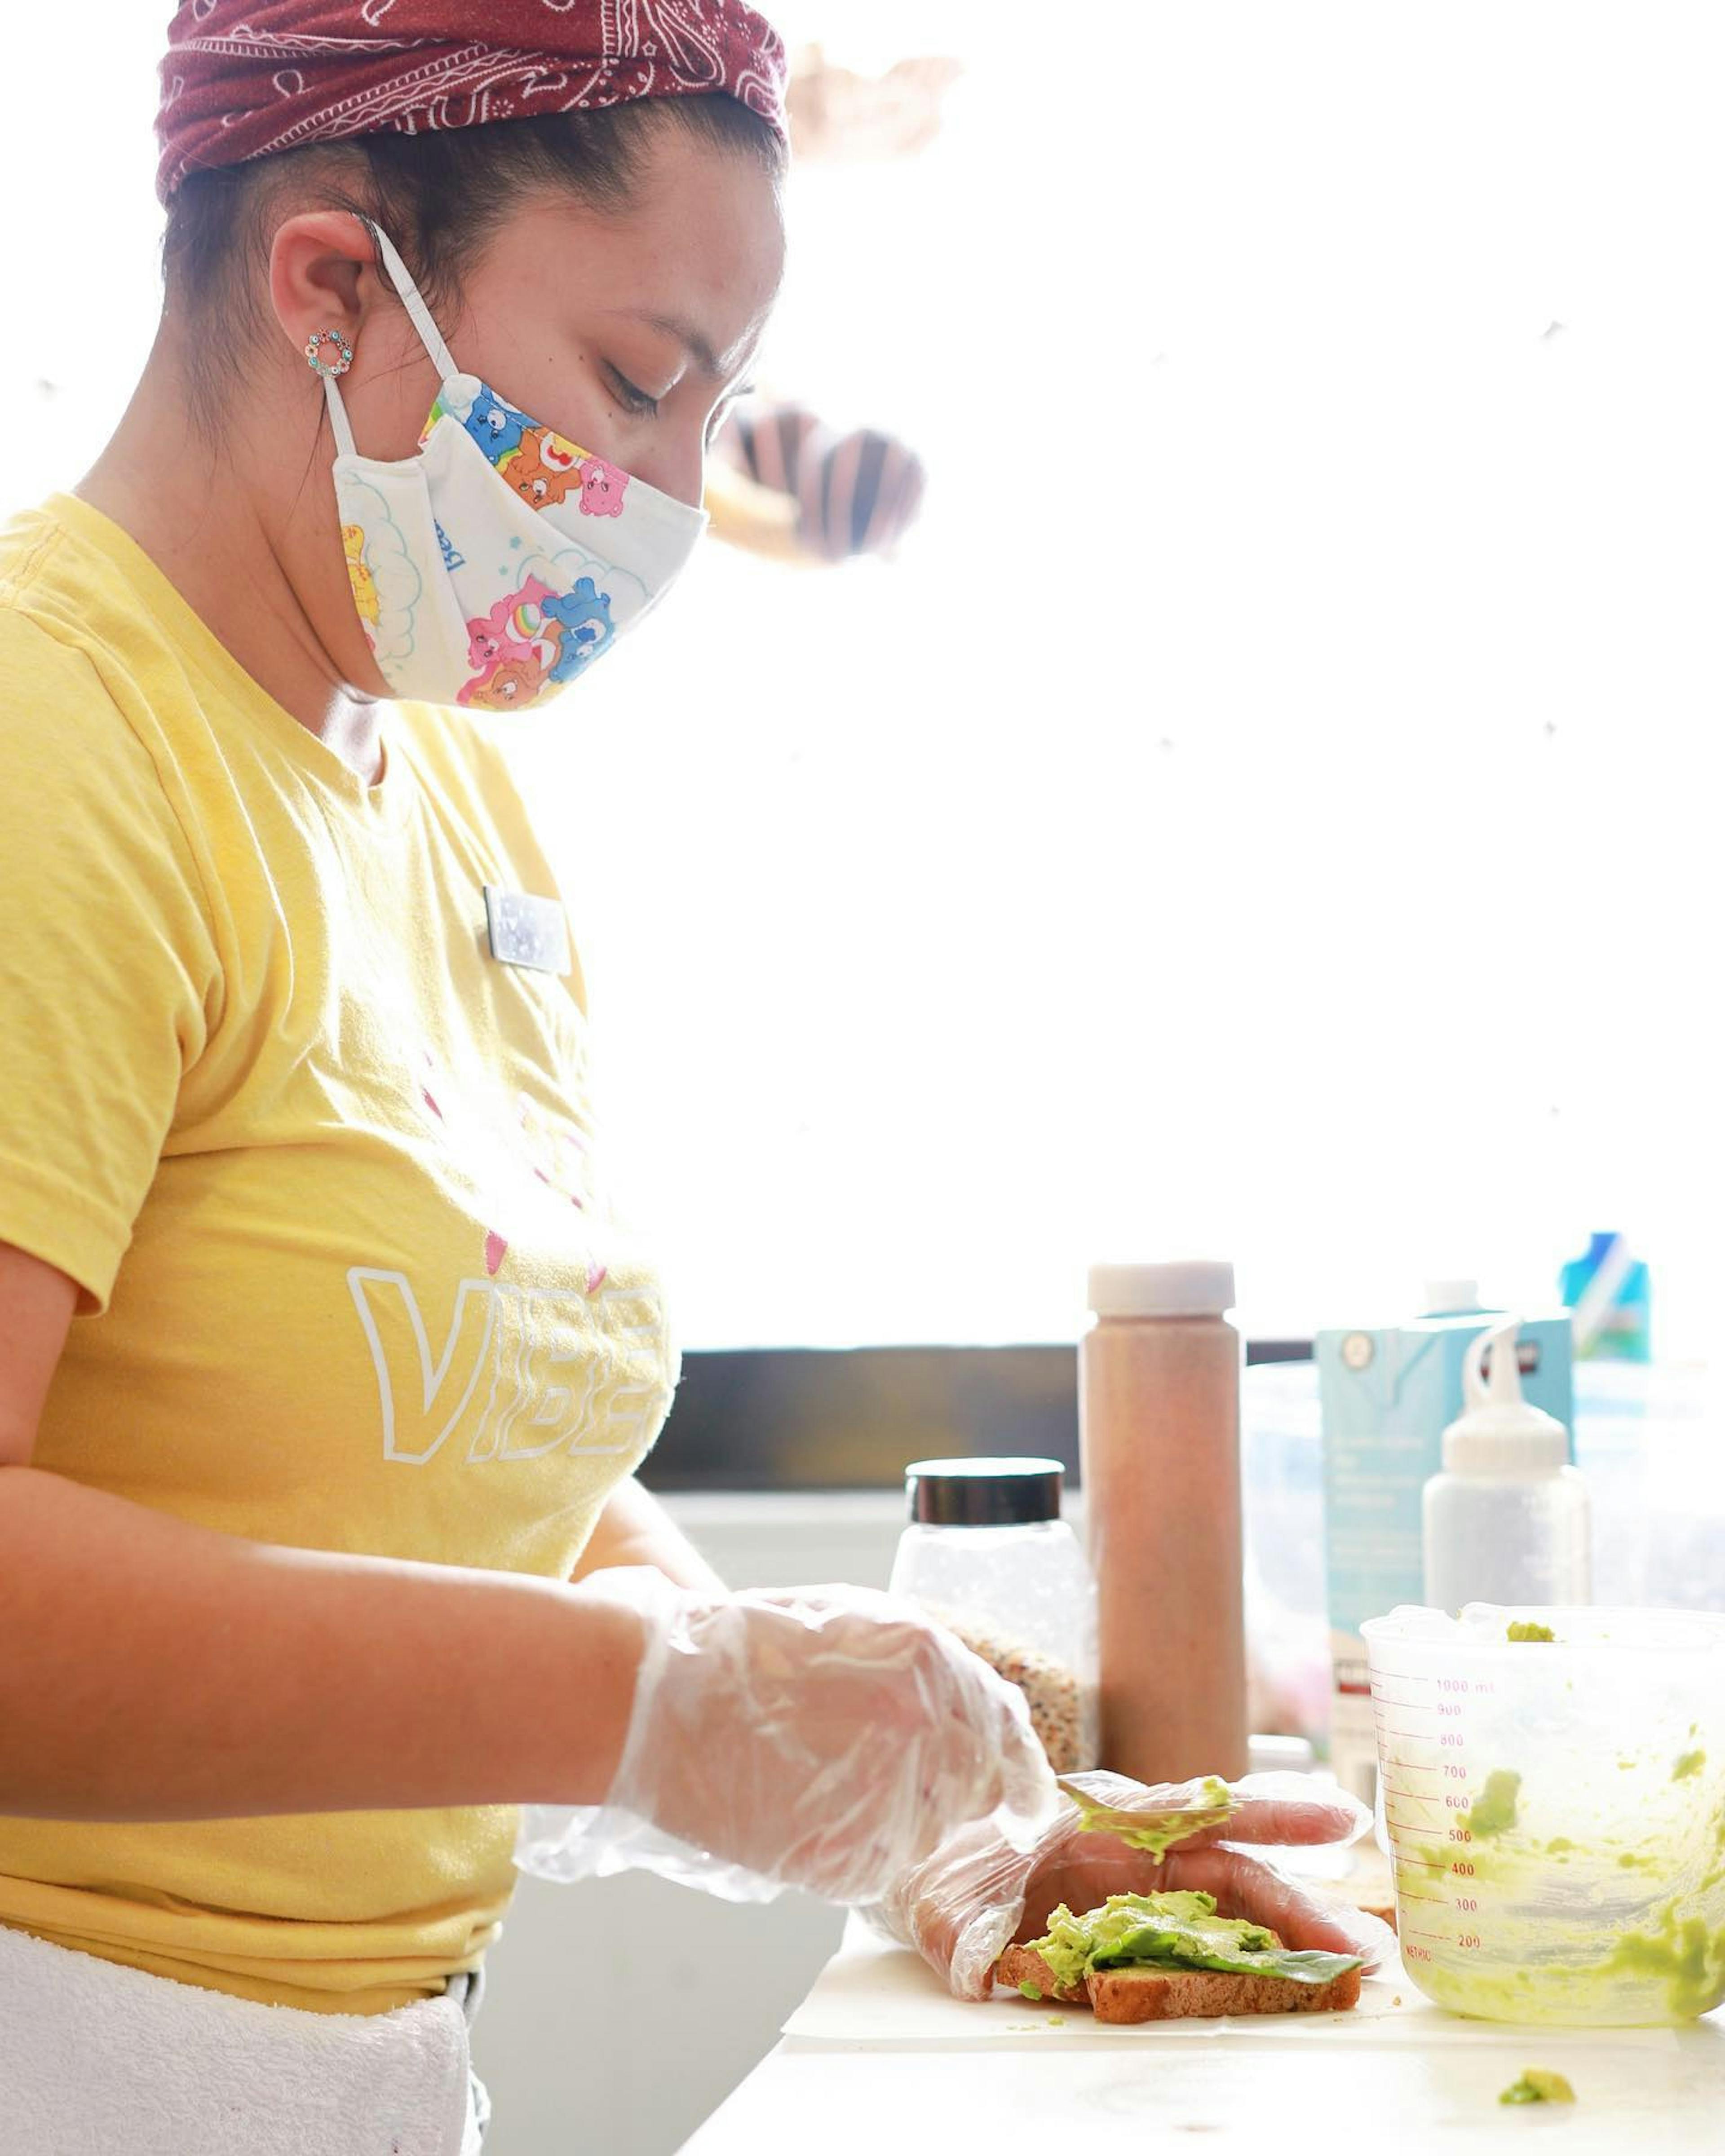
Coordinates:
[1507,1520]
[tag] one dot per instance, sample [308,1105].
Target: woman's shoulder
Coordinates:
[78,645]
[33,610]
[55,635]
[47,575]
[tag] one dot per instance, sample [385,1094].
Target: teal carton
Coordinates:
[1610,1300]
[1386,1396]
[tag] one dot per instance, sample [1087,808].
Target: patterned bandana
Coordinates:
[244,78]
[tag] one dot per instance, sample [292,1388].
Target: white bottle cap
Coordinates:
[1444,1296]
[1499,1433]
[1200,1287]
[1279,1755]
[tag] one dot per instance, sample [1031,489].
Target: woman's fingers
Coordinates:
[1243,1886]
[1325,1812]
[1283,1808]
[1289,1808]
[1302,1821]
[1083,1870]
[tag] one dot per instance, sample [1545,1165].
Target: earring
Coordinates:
[318,364]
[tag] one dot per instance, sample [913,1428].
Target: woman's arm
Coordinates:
[634,1528]
[156,1669]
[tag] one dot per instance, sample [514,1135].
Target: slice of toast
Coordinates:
[1021,1965]
[1144,1993]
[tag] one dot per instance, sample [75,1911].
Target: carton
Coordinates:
[1387,1395]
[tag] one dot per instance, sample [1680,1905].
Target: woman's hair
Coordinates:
[440,196]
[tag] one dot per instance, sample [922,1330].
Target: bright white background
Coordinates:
[1272,806]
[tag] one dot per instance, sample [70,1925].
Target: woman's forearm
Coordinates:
[151,1669]
[634,1528]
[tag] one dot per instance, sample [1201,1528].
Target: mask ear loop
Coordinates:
[419,314]
[338,418]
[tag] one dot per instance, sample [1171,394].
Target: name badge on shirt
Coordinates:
[525,931]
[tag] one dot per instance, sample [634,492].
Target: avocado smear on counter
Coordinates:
[1537,2086]
[1520,1631]
[1173,1931]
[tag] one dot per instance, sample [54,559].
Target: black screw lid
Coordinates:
[982,1493]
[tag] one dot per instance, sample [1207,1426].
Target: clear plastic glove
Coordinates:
[825,1738]
[977,1895]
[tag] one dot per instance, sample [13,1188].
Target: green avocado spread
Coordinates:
[1154,1831]
[1520,1632]
[1173,1931]
[1494,1809]
[1537,2086]
[1689,1957]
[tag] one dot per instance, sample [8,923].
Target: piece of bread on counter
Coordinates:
[1142,1993]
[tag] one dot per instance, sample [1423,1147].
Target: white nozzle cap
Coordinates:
[1498,1432]
[1445,1297]
[1197,1289]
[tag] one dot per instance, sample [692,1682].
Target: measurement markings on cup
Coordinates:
[1410,1720]
[1430,1728]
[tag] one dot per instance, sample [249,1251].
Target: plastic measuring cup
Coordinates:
[1556,1811]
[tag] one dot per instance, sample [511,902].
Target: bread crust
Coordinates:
[1131,1994]
[1022,1965]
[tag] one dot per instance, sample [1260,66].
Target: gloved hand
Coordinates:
[977,1895]
[826,1737]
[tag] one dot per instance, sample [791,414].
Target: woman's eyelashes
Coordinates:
[635,401]
[640,404]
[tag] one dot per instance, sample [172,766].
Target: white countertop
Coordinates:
[878,2058]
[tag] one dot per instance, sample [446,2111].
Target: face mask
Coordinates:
[497,564]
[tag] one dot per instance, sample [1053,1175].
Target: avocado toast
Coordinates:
[1167,1957]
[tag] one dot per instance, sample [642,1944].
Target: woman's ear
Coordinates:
[317,261]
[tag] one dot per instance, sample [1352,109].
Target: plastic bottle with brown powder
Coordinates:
[1158,1420]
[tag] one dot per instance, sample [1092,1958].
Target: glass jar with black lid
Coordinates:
[987,1554]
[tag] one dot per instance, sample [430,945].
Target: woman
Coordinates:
[325,1360]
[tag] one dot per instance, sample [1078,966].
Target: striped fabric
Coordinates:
[855,493]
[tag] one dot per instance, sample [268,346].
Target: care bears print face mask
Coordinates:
[497,564]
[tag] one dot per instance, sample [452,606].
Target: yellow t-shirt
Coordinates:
[323,1167]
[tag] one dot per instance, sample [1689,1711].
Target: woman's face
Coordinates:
[629,335]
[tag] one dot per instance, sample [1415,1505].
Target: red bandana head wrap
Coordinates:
[244,78]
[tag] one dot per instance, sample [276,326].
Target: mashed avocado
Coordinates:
[1537,2086]
[1529,1631]
[1574,1907]
[1691,1959]
[1681,1962]
[1494,1809]
[1173,1931]
[1156,1831]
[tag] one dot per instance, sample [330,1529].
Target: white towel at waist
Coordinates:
[97,2059]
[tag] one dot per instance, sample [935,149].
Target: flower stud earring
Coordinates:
[319,362]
